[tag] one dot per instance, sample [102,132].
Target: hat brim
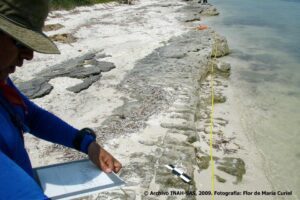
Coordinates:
[36,41]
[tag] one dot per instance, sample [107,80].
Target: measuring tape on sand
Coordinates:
[213,55]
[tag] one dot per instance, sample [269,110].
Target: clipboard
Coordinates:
[75,179]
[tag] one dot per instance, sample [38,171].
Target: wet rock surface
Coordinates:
[220,47]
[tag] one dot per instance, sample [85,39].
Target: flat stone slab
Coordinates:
[195,11]
[86,84]
[86,67]
[35,88]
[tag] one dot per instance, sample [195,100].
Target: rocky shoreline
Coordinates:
[162,115]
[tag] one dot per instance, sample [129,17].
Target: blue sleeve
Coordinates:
[15,183]
[47,126]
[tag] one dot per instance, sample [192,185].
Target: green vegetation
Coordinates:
[221,180]
[192,139]
[203,162]
[70,4]
[233,166]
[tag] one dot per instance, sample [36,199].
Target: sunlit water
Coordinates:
[264,36]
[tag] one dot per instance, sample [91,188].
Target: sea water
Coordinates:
[264,38]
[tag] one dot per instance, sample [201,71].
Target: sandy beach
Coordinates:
[140,75]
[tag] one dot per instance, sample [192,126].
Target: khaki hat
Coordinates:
[24,20]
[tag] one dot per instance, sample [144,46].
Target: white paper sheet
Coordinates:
[75,179]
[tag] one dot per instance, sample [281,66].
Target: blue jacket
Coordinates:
[16,176]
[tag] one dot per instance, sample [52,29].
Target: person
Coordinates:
[204,1]
[21,23]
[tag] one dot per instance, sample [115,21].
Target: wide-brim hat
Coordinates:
[23,20]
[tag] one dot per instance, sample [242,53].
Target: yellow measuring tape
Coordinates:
[213,54]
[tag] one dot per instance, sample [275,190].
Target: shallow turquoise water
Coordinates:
[264,36]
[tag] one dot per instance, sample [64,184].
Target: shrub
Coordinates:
[70,4]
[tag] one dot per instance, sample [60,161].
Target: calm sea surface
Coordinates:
[264,36]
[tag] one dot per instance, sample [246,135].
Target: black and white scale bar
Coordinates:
[179,173]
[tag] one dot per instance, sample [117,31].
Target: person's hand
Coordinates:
[104,160]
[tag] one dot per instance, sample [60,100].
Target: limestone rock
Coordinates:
[35,88]
[102,55]
[220,47]
[106,66]
[64,38]
[219,66]
[74,68]
[203,162]
[220,179]
[224,67]
[213,63]
[86,84]
[52,27]
[191,17]
[83,72]
[219,98]
[210,11]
